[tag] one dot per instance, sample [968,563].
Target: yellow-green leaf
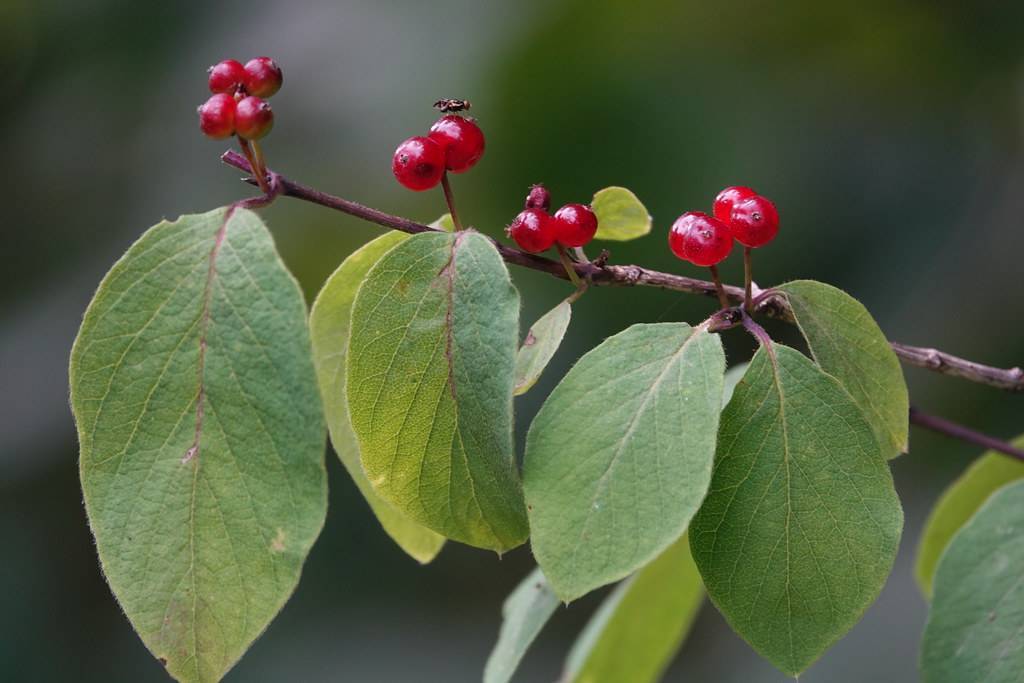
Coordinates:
[329,327]
[641,625]
[540,344]
[430,368]
[620,215]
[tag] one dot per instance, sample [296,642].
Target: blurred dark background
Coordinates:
[888,133]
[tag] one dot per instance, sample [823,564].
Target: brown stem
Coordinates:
[723,299]
[601,274]
[958,431]
[449,199]
[255,167]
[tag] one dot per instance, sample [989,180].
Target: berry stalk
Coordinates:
[723,298]
[449,198]
[570,267]
[255,166]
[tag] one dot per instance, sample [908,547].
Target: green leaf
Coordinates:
[430,366]
[620,215]
[641,625]
[524,614]
[619,457]
[847,343]
[202,437]
[542,340]
[801,525]
[960,501]
[975,628]
[329,328]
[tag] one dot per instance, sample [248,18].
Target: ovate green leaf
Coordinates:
[430,372]
[523,615]
[975,628]
[619,457]
[847,343]
[542,340]
[620,215]
[202,438]
[639,627]
[329,328]
[959,503]
[801,525]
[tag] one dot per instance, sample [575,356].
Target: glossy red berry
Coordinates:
[575,225]
[217,116]
[253,118]
[226,76]
[538,198]
[727,198]
[533,230]
[418,163]
[462,140]
[700,239]
[263,77]
[754,221]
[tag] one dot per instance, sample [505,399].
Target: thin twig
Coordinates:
[958,431]
[631,276]
[723,299]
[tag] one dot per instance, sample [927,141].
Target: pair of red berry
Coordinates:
[237,106]
[534,230]
[740,214]
[454,143]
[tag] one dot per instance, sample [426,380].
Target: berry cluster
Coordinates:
[740,214]
[238,105]
[534,230]
[454,143]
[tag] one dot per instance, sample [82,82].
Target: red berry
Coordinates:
[226,76]
[263,77]
[754,221]
[217,116]
[727,198]
[253,118]
[462,140]
[533,230]
[418,163]
[539,198]
[700,239]
[575,225]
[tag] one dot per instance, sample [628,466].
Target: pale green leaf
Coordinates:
[619,457]
[801,525]
[329,329]
[847,343]
[542,340]
[430,367]
[733,376]
[524,614]
[202,437]
[640,626]
[975,628]
[960,501]
[620,215]
[445,223]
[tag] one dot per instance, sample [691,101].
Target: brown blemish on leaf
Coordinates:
[530,339]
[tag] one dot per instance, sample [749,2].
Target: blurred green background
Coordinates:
[888,133]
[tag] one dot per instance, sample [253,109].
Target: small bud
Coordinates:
[538,198]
